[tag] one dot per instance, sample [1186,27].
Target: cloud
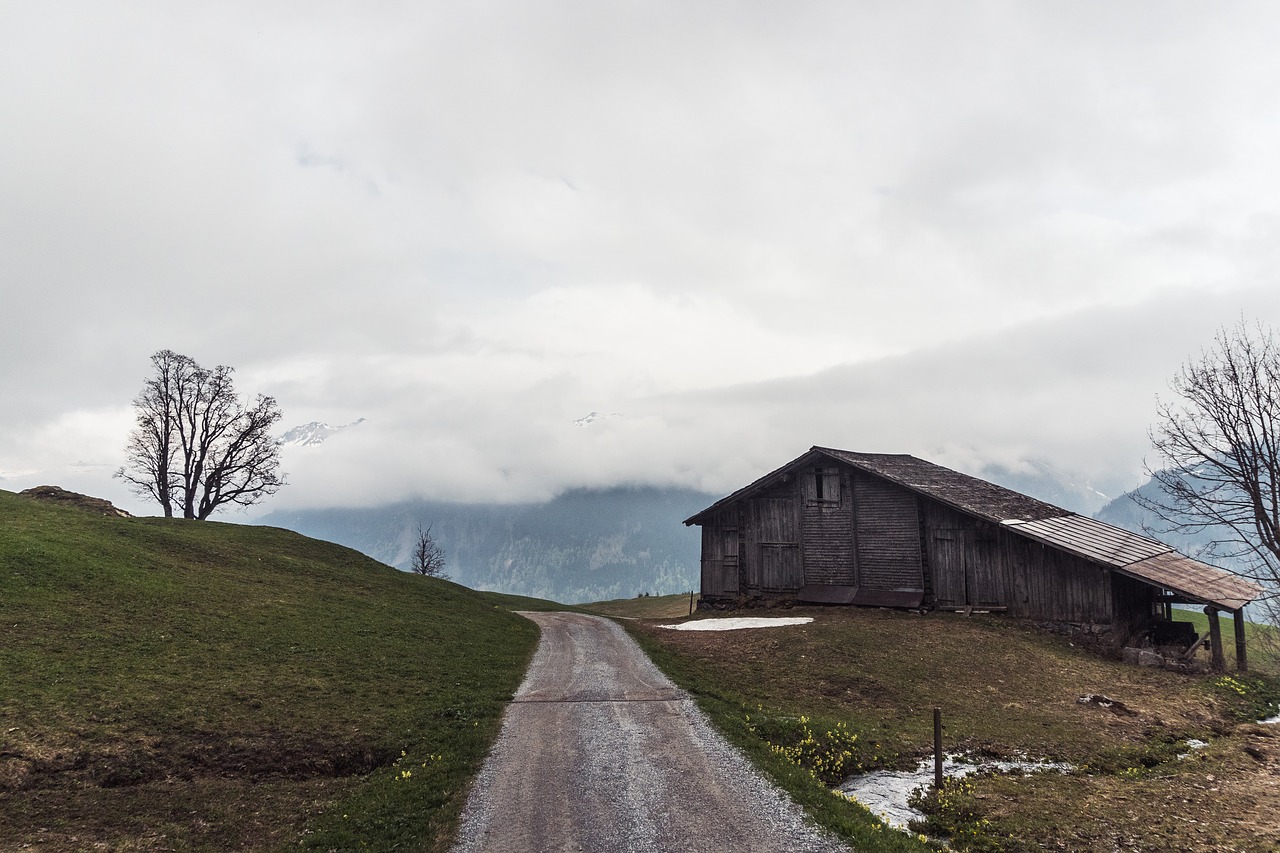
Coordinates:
[746,228]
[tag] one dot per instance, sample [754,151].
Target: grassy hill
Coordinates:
[172,685]
[854,691]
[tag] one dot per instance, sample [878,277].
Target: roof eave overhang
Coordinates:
[1221,602]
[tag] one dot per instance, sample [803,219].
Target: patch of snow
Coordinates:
[1270,721]
[885,792]
[588,420]
[738,623]
[1193,744]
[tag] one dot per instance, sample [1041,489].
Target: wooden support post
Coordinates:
[1242,655]
[1219,662]
[937,749]
[690,602]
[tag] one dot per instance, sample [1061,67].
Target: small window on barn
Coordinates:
[826,485]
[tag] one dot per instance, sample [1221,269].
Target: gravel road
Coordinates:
[600,753]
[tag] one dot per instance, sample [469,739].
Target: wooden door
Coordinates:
[772,525]
[719,560]
[947,559]
[729,549]
[984,578]
[780,568]
[966,568]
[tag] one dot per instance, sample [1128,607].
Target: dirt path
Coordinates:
[599,752]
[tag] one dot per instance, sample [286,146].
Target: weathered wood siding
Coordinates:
[826,527]
[887,534]
[967,565]
[720,544]
[1054,585]
[771,541]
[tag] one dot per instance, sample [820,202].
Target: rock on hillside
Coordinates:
[59,495]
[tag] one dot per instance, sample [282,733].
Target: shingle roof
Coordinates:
[1127,552]
[978,497]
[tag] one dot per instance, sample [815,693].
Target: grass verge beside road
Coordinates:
[864,682]
[644,607]
[203,686]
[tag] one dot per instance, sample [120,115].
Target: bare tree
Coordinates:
[1219,448]
[427,557]
[196,447]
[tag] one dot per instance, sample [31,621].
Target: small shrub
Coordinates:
[1247,698]
[830,751]
[953,812]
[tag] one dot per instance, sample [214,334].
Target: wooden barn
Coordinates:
[837,527]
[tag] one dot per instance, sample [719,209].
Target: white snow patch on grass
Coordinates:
[1192,743]
[740,622]
[885,792]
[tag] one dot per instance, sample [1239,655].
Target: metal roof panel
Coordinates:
[1195,579]
[1091,538]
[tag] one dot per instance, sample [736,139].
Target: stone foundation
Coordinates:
[1102,638]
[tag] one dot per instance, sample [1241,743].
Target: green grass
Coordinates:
[202,686]
[644,607]
[1262,642]
[514,603]
[856,689]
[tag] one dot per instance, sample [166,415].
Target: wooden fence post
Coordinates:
[1219,661]
[937,749]
[1242,654]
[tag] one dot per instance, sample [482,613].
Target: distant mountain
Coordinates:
[1041,480]
[309,435]
[590,418]
[585,545]
[1126,512]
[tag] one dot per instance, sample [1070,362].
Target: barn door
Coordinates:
[950,584]
[719,560]
[966,570]
[780,568]
[773,552]
[729,550]
[984,579]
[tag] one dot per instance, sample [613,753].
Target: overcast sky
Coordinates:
[975,232]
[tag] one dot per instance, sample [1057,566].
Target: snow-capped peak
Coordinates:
[309,435]
[588,420]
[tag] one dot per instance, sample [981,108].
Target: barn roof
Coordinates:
[975,496]
[1124,551]
[970,494]
[1142,558]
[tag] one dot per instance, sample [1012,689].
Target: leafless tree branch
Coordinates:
[196,447]
[1218,446]
[427,557]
